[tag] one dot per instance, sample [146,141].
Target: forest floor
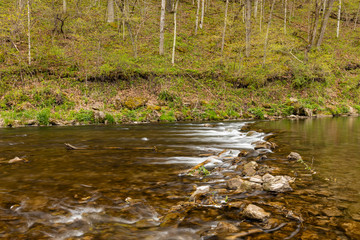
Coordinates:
[93,73]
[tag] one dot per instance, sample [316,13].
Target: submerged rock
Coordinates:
[226,227]
[277,183]
[352,229]
[294,156]
[256,213]
[332,212]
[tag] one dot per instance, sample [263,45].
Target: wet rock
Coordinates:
[200,191]
[256,213]
[332,212]
[251,133]
[355,216]
[294,156]
[249,169]
[256,179]
[263,145]
[236,204]
[235,183]
[99,116]
[56,122]
[226,227]
[277,183]
[352,229]
[17,159]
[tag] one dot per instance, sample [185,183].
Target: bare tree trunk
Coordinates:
[162,25]
[197,16]
[202,13]
[174,43]
[110,11]
[261,13]
[267,32]
[224,31]
[64,6]
[29,36]
[255,8]
[338,20]
[324,23]
[248,27]
[356,18]
[316,23]
[285,16]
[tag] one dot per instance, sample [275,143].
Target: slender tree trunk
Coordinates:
[162,25]
[64,6]
[324,23]
[174,43]
[110,11]
[202,13]
[357,15]
[224,31]
[316,23]
[197,16]
[248,27]
[285,15]
[261,14]
[267,32]
[256,8]
[29,36]
[338,20]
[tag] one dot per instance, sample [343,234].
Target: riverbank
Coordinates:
[36,101]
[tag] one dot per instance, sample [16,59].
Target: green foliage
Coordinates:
[258,112]
[167,116]
[110,119]
[43,116]
[86,116]
[166,96]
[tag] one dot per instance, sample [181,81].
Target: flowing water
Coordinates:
[105,193]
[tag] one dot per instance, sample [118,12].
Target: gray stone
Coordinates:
[294,156]
[256,213]
[235,183]
[277,183]
[99,116]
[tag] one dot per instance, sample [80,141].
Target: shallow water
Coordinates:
[125,194]
[61,193]
[332,147]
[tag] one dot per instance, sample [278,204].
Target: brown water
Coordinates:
[62,194]
[332,147]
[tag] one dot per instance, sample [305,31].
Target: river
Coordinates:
[104,192]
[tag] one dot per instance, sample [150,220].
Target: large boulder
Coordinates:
[255,213]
